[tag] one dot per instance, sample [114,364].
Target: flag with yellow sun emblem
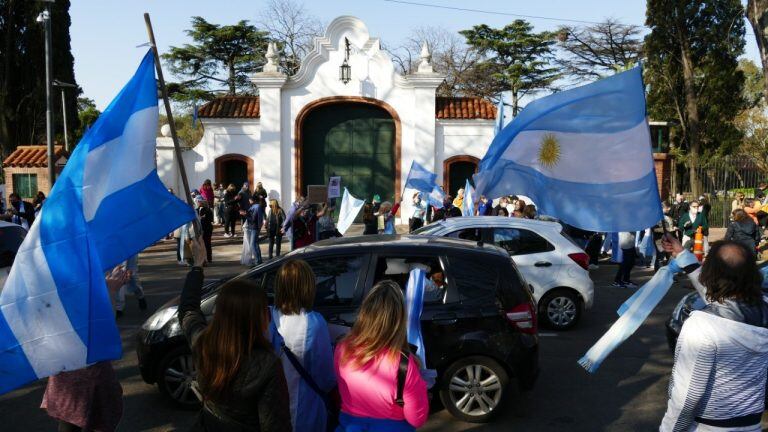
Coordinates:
[580,155]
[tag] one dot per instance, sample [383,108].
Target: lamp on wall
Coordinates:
[345,70]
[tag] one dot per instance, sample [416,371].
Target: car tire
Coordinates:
[175,374]
[470,397]
[560,309]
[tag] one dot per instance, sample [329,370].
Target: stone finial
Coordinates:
[272,58]
[424,65]
[165,130]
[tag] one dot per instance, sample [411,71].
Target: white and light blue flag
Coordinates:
[435,197]
[499,116]
[420,178]
[350,207]
[107,205]
[468,205]
[580,154]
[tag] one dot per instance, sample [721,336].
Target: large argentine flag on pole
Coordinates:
[580,154]
[107,205]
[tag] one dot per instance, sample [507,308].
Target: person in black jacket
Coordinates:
[231,209]
[369,220]
[743,230]
[206,222]
[240,379]
[20,212]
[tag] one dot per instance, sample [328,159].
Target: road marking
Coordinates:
[548,334]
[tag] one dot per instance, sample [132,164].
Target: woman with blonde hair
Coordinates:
[301,339]
[375,351]
[275,220]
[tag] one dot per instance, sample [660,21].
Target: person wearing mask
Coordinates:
[485,207]
[88,399]
[20,212]
[300,337]
[387,212]
[207,193]
[231,210]
[743,230]
[416,220]
[370,221]
[459,200]
[738,202]
[38,202]
[254,221]
[721,357]
[503,201]
[304,226]
[275,220]
[205,215]
[628,257]
[239,377]
[373,352]
[690,222]
[244,201]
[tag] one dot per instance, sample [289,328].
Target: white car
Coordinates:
[554,266]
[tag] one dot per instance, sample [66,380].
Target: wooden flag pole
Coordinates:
[171,123]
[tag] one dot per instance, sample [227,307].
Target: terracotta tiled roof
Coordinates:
[464,108]
[32,156]
[231,107]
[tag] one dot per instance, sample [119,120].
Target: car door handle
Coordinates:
[445,319]
[543,264]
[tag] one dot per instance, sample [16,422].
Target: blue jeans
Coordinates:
[253,239]
[350,423]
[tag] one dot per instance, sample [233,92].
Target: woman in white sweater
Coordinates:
[721,358]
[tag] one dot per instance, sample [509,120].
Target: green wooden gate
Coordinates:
[354,141]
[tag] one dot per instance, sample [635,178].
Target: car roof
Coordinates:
[481,221]
[402,241]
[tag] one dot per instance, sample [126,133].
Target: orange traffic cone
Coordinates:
[698,244]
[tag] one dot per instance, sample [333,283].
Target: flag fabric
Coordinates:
[580,154]
[633,312]
[414,303]
[499,116]
[107,205]
[350,207]
[435,197]
[420,178]
[468,205]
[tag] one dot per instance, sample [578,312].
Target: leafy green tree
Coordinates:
[757,14]
[516,58]
[595,51]
[753,83]
[189,134]
[87,114]
[22,72]
[691,70]
[220,57]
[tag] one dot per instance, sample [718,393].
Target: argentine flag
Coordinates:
[420,178]
[107,205]
[580,155]
[468,205]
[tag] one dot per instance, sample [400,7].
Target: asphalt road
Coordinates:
[627,393]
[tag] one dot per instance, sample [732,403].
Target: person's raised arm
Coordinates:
[191,317]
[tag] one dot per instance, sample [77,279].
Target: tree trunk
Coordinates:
[232,77]
[515,104]
[691,110]
[757,14]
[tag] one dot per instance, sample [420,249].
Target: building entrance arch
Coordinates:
[456,171]
[235,169]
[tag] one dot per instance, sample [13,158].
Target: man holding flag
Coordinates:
[55,311]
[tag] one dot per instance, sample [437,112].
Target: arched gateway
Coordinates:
[355,138]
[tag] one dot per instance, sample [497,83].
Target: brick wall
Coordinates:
[42,178]
[663,164]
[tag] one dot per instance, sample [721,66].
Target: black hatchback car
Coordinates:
[480,333]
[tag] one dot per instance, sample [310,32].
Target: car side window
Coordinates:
[518,241]
[466,234]
[474,279]
[399,269]
[337,278]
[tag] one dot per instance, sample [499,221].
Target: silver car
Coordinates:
[550,261]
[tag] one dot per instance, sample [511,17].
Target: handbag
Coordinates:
[332,410]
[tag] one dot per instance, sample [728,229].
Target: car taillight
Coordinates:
[523,316]
[581,259]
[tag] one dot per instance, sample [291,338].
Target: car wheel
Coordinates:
[174,378]
[474,388]
[560,309]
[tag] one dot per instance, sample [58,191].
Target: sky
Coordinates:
[105,33]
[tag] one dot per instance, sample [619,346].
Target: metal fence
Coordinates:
[720,180]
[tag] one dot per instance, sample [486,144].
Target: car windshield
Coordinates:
[429,229]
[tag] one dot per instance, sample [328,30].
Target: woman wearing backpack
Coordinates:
[368,365]
[240,379]
[301,339]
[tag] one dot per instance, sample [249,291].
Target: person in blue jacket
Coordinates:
[301,333]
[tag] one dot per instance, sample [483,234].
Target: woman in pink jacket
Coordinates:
[368,364]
